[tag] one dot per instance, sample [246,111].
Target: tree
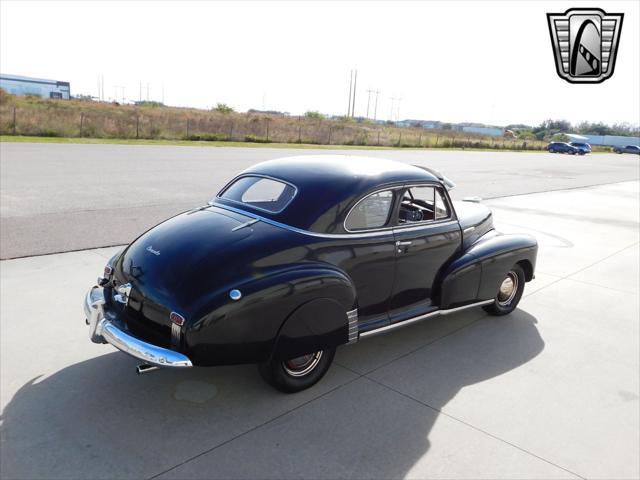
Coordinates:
[223,108]
[313,114]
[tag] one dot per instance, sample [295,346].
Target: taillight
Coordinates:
[177,318]
[106,276]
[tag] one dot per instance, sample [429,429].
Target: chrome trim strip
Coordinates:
[413,320]
[246,224]
[393,202]
[102,330]
[352,318]
[468,230]
[385,231]
[298,230]
[404,226]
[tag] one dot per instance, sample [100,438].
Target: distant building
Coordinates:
[489,131]
[18,85]
[606,140]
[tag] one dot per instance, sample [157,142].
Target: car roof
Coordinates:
[328,185]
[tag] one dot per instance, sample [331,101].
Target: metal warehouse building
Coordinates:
[18,85]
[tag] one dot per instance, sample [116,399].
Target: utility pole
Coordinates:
[350,88]
[147,92]
[398,113]
[393,104]
[375,109]
[369,92]
[355,82]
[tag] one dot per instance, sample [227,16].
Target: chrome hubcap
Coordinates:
[508,289]
[300,366]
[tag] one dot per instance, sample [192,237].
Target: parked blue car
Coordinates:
[561,147]
[583,147]
[627,149]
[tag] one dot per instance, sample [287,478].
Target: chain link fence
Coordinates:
[32,117]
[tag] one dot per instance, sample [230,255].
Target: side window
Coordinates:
[442,209]
[371,212]
[423,204]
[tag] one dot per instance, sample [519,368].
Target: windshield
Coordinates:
[263,193]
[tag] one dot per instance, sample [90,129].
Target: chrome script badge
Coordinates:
[585,43]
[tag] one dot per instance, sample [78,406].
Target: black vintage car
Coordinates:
[297,256]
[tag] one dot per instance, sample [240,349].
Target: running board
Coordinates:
[411,321]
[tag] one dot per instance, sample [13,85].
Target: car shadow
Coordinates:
[97,419]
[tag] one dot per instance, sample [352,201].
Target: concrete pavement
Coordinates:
[550,391]
[61,197]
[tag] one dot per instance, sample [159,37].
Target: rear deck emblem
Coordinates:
[151,250]
[585,43]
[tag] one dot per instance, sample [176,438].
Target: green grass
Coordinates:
[191,143]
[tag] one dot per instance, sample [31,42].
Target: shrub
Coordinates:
[313,114]
[47,133]
[208,137]
[256,139]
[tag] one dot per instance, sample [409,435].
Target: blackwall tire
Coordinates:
[507,299]
[299,373]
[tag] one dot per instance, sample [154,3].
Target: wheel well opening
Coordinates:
[528,269]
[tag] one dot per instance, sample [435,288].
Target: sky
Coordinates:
[455,61]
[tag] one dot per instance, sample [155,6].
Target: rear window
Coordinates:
[262,193]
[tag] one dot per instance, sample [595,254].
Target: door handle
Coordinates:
[403,244]
[400,244]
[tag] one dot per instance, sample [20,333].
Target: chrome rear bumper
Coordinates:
[103,330]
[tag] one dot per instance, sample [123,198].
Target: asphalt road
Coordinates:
[58,198]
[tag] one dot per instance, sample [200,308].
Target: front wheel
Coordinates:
[298,373]
[509,293]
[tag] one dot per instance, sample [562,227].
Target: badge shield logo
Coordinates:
[585,43]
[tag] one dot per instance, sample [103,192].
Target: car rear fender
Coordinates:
[322,320]
[477,273]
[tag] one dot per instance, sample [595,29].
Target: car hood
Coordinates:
[177,262]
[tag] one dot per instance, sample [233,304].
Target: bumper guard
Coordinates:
[104,330]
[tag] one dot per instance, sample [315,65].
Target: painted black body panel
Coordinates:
[300,271]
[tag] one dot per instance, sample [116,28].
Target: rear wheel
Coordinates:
[298,373]
[509,293]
